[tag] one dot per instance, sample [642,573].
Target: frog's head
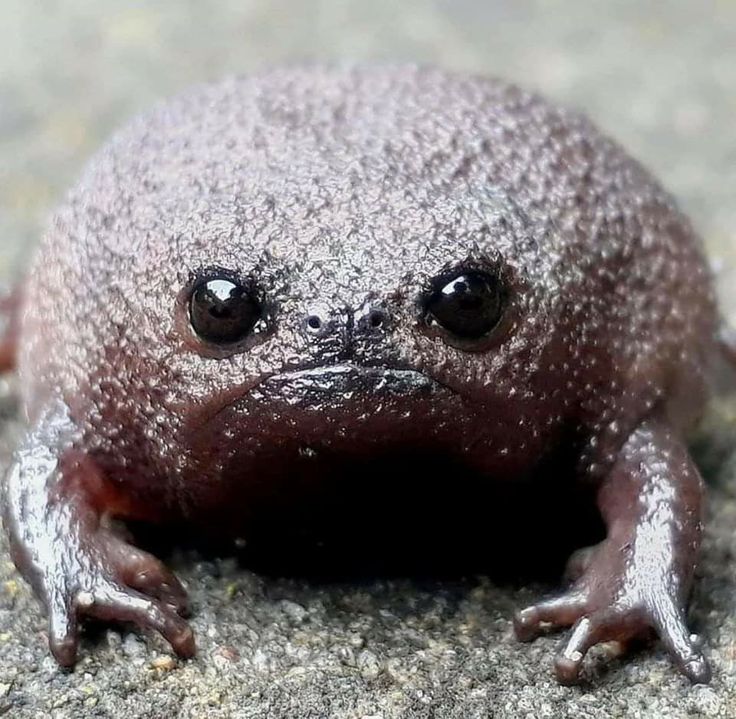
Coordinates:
[344,260]
[355,269]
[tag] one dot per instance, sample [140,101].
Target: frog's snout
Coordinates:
[338,332]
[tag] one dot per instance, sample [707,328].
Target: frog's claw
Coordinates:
[636,582]
[560,611]
[621,621]
[81,568]
[117,583]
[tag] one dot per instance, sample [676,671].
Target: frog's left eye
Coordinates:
[223,311]
[468,305]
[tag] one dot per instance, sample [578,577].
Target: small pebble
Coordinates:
[164,663]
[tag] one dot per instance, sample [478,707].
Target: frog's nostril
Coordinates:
[345,323]
[376,318]
[372,319]
[324,323]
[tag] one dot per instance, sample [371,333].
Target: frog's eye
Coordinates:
[222,311]
[469,305]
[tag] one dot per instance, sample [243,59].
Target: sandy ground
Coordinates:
[661,77]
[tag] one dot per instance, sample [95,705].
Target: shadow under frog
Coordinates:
[333,302]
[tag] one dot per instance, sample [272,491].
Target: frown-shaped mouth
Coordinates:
[344,407]
[345,381]
[310,428]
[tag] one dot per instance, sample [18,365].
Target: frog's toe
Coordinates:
[143,572]
[622,624]
[684,647]
[111,603]
[588,631]
[63,631]
[561,611]
[620,621]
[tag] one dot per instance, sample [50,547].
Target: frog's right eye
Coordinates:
[222,311]
[468,305]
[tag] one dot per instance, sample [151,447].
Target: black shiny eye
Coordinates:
[469,306]
[223,311]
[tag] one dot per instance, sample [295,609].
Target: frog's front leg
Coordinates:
[639,578]
[55,509]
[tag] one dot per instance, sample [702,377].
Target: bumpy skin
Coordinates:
[343,193]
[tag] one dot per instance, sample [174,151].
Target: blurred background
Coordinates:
[659,76]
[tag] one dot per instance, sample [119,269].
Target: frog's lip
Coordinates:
[349,378]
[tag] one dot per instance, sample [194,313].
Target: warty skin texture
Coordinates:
[348,195]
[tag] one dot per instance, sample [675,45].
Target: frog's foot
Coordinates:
[54,511]
[637,580]
[600,611]
[112,581]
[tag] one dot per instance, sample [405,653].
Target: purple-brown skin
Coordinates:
[343,201]
[10,303]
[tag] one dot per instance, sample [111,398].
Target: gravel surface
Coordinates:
[661,77]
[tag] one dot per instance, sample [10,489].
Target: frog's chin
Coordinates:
[312,432]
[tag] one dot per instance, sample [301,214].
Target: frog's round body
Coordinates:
[341,197]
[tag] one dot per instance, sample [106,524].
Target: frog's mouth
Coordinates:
[343,383]
[300,429]
[343,409]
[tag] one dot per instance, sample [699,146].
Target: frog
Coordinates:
[318,264]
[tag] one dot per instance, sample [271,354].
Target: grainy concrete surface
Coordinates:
[661,77]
